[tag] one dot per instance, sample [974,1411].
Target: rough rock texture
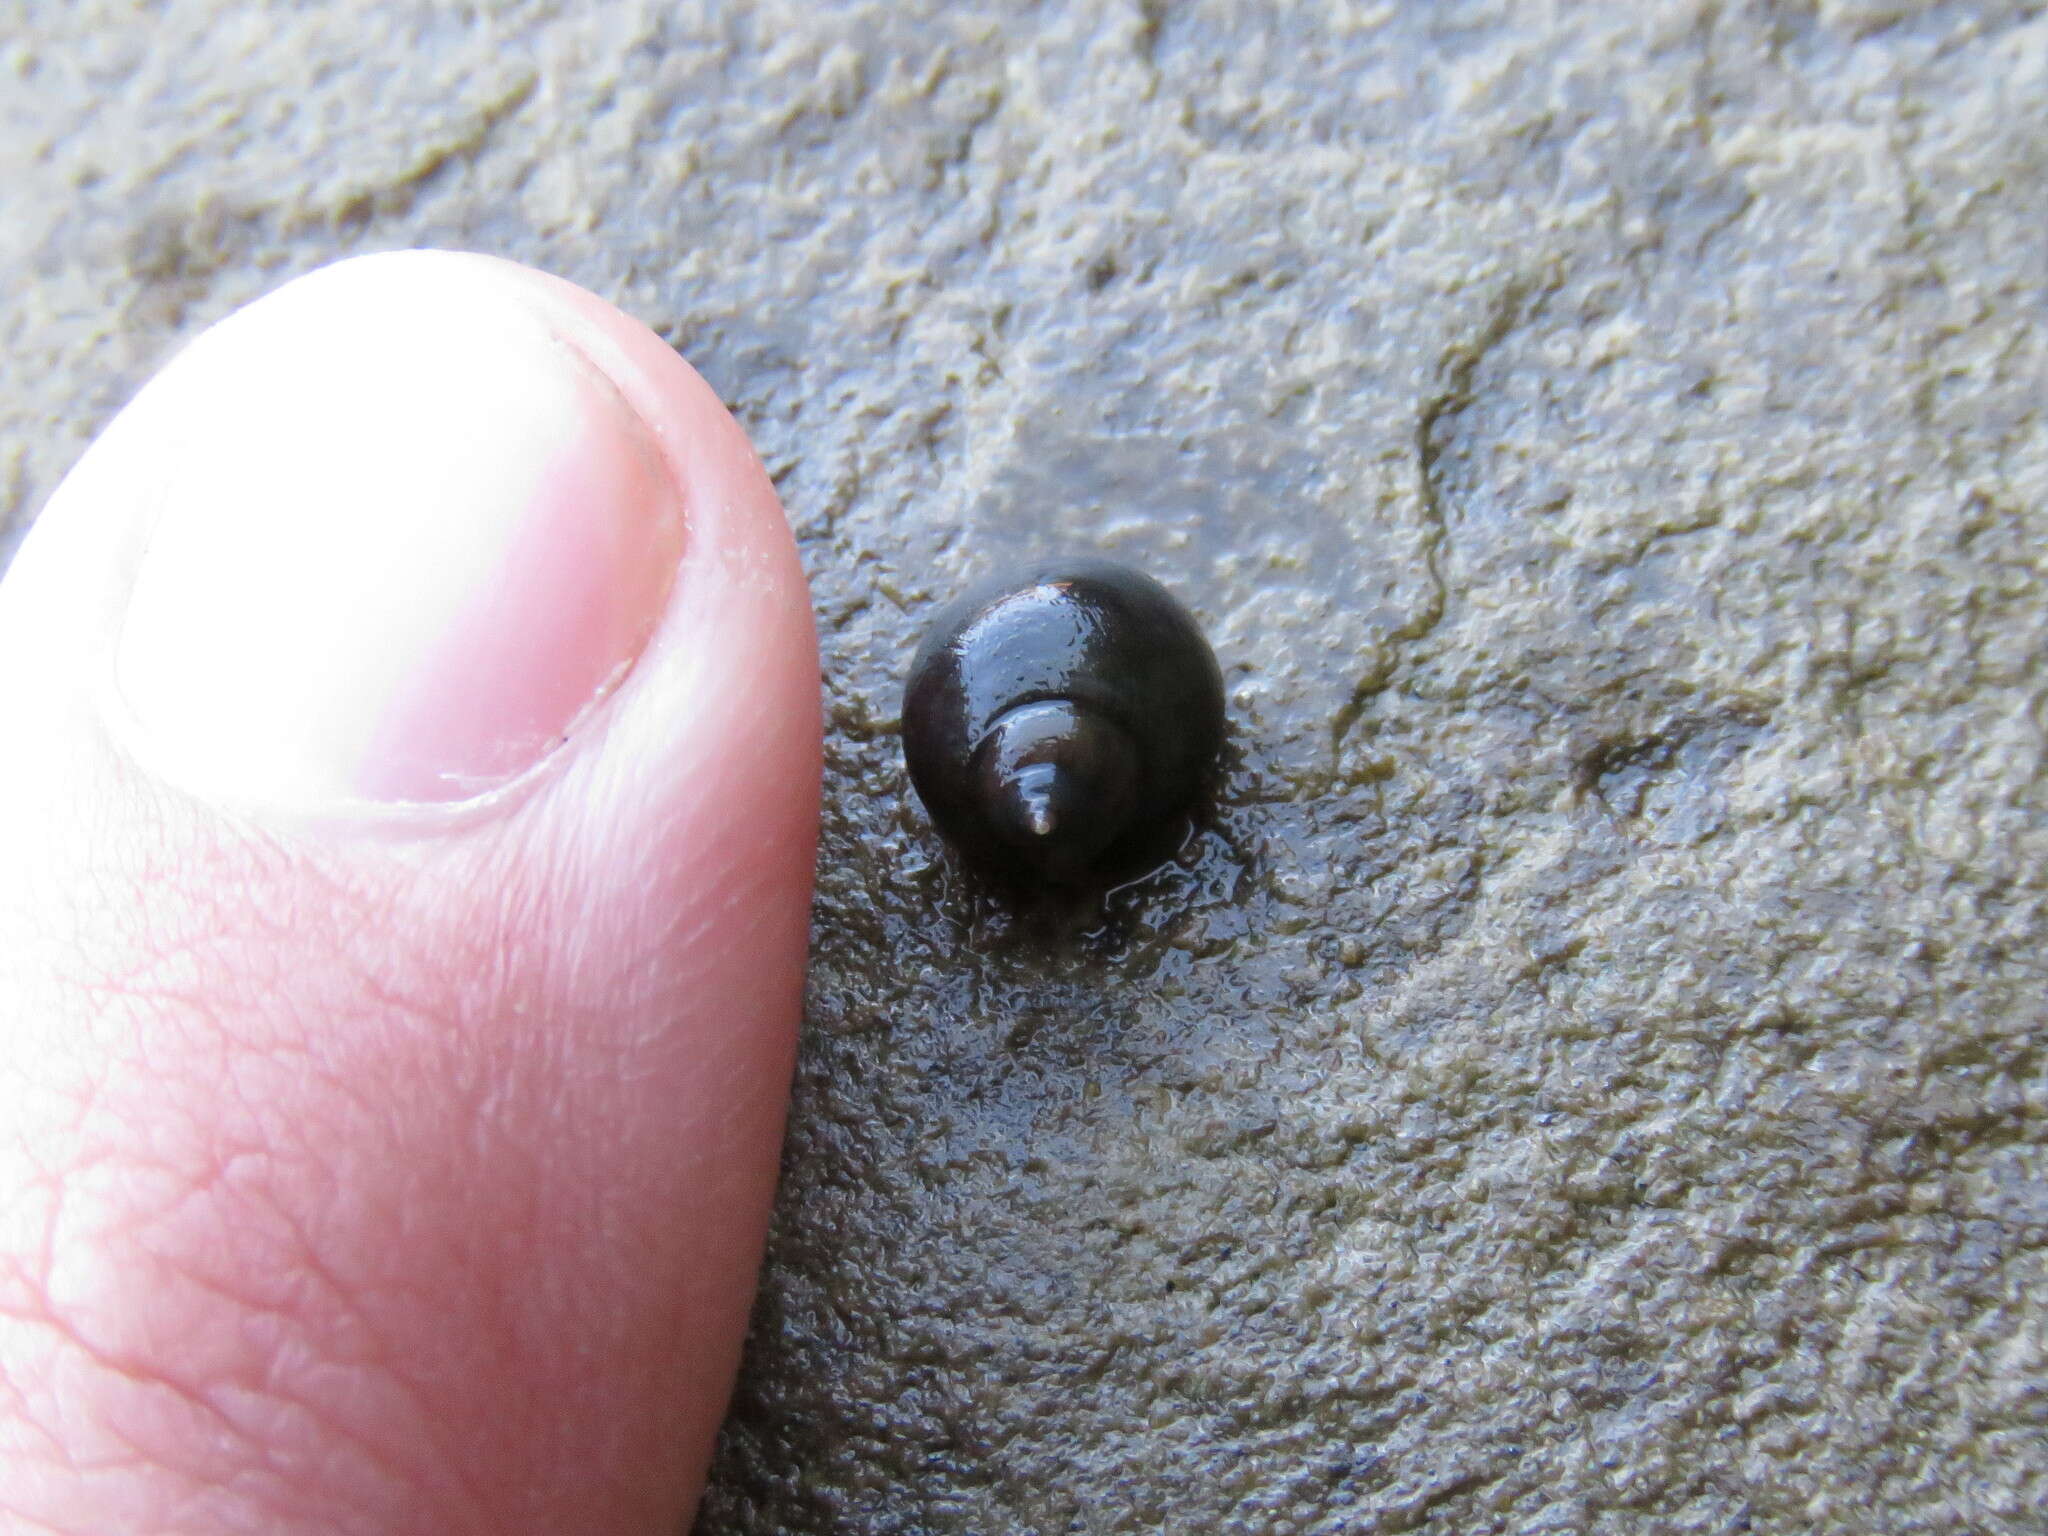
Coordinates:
[1589,1077]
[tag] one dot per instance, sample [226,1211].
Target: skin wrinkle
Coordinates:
[234,927]
[53,1180]
[603,1059]
[74,1343]
[22,1312]
[20,1520]
[304,1261]
[155,1377]
[148,996]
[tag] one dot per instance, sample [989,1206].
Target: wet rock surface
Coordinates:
[1587,1075]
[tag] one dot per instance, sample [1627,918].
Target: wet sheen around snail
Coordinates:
[1060,723]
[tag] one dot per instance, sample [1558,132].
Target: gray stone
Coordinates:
[1589,1076]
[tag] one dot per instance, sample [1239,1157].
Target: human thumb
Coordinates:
[405,851]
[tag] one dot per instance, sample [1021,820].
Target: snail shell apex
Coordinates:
[1059,723]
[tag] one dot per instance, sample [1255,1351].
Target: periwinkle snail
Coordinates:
[1060,722]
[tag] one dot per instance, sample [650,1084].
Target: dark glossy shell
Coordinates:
[1060,722]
